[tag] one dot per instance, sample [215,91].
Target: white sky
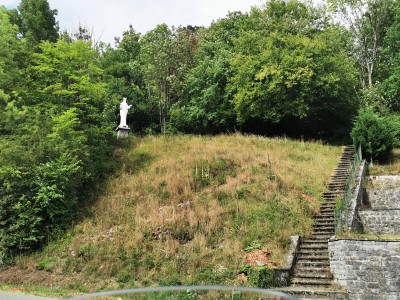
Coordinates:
[109,18]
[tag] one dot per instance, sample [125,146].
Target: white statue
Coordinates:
[123,112]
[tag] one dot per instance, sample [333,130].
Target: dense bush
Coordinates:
[375,134]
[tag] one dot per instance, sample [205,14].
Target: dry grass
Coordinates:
[183,210]
[390,167]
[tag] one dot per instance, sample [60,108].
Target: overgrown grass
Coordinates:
[183,210]
[389,167]
[369,236]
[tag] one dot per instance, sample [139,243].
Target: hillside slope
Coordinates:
[187,210]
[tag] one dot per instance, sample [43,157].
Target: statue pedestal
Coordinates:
[122,132]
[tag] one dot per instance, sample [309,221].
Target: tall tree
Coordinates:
[207,106]
[38,21]
[9,46]
[389,100]
[368,21]
[291,69]
[156,58]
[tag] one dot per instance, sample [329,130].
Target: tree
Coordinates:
[68,75]
[124,76]
[38,21]
[390,67]
[9,47]
[207,106]
[54,142]
[155,57]
[291,70]
[368,21]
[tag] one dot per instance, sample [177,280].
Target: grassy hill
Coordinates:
[187,210]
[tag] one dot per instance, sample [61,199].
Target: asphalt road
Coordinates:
[15,296]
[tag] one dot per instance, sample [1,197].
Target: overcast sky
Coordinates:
[109,18]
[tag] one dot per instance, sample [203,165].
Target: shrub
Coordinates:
[374,133]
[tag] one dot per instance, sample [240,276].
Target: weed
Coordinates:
[46,263]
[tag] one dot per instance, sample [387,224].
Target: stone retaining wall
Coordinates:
[385,181]
[381,221]
[381,205]
[384,199]
[356,266]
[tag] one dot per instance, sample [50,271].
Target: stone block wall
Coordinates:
[381,205]
[385,181]
[381,221]
[384,199]
[356,266]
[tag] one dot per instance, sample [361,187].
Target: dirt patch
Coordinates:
[259,258]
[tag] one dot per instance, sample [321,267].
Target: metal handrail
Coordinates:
[341,210]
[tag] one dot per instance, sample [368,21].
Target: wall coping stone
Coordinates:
[335,239]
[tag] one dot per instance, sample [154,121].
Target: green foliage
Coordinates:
[208,108]
[261,277]
[9,48]
[38,21]
[124,76]
[46,264]
[375,134]
[389,66]
[288,71]
[54,138]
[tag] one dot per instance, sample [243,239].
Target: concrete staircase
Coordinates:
[312,278]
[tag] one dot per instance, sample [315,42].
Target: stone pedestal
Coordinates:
[122,132]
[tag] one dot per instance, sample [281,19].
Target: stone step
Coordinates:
[325,219]
[343,168]
[319,222]
[324,233]
[327,209]
[321,237]
[337,183]
[316,246]
[323,223]
[323,227]
[316,270]
[326,212]
[329,200]
[313,275]
[323,216]
[313,242]
[312,264]
[328,205]
[345,159]
[340,177]
[331,193]
[313,258]
[312,281]
[315,253]
[333,185]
